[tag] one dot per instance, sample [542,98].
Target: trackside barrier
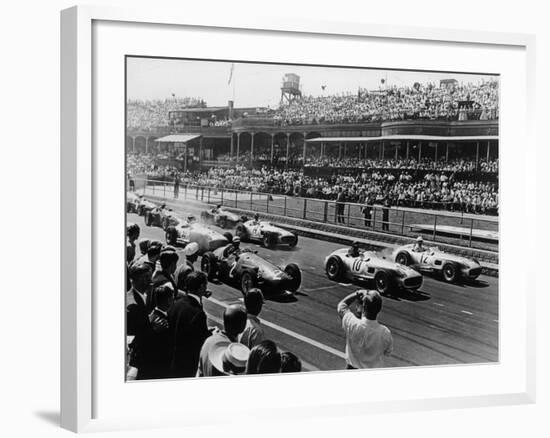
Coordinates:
[391,220]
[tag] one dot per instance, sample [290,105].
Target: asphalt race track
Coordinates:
[439,324]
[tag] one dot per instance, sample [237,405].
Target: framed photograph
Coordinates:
[328,210]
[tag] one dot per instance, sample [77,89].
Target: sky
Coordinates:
[255,85]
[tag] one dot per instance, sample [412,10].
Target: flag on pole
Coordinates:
[231,73]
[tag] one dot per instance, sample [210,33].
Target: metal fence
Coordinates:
[391,220]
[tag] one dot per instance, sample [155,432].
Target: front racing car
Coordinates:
[368,266]
[180,232]
[450,267]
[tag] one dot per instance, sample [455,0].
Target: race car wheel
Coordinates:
[334,269]
[241,232]
[209,265]
[294,242]
[222,222]
[228,236]
[148,219]
[449,272]
[171,236]
[140,211]
[403,259]
[164,223]
[269,240]
[248,281]
[293,271]
[382,282]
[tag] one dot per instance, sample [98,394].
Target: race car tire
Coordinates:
[148,219]
[228,236]
[269,240]
[140,210]
[171,236]
[334,268]
[449,272]
[209,265]
[293,270]
[403,258]
[241,233]
[294,242]
[248,281]
[222,222]
[382,282]
[164,224]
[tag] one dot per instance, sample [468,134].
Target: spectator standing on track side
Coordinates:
[234,322]
[176,186]
[253,333]
[386,214]
[367,341]
[188,326]
[264,358]
[168,264]
[340,206]
[367,210]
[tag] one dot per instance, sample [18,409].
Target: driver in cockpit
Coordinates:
[419,245]
[353,251]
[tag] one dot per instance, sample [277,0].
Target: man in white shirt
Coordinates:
[367,341]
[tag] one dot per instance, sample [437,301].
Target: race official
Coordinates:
[367,341]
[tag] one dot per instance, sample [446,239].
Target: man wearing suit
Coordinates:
[141,323]
[187,325]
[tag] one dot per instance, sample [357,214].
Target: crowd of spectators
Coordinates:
[458,165]
[148,114]
[428,101]
[167,329]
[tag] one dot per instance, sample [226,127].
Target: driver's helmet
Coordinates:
[191,218]
[257,217]
[218,207]
[419,240]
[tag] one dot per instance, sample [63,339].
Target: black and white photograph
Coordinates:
[285,218]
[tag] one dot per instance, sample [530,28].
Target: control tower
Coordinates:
[290,89]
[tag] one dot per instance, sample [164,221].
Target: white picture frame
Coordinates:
[80,369]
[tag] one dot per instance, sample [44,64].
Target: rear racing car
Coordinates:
[159,216]
[450,267]
[264,232]
[248,270]
[369,266]
[220,217]
[179,232]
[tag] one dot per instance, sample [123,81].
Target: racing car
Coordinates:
[370,266]
[221,218]
[249,270]
[264,232]
[179,232]
[432,260]
[142,206]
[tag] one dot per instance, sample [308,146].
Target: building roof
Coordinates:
[178,138]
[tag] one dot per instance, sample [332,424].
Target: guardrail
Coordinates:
[391,220]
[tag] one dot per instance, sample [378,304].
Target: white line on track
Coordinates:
[439,304]
[314,289]
[466,312]
[306,365]
[291,333]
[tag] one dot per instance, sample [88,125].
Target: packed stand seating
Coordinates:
[149,114]
[431,102]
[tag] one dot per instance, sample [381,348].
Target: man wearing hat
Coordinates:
[132,234]
[234,322]
[228,358]
[253,333]
[188,326]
